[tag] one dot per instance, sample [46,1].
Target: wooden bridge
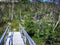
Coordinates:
[16,38]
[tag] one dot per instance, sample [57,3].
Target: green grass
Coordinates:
[38,41]
[15,25]
[56,44]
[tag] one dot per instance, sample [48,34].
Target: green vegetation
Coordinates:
[38,18]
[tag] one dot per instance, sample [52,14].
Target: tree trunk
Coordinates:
[12,10]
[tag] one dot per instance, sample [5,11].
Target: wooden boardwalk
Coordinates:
[17,40]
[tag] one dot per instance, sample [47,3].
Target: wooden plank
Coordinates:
[17,40]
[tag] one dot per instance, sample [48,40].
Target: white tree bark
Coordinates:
[56,23]
[12,10]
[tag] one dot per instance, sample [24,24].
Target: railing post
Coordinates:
[24,39]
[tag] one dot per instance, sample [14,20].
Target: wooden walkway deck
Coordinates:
[17,40]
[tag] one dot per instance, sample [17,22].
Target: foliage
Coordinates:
[37,18]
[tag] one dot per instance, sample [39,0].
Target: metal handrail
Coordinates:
[9,39]
[31,42]
[3,36]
